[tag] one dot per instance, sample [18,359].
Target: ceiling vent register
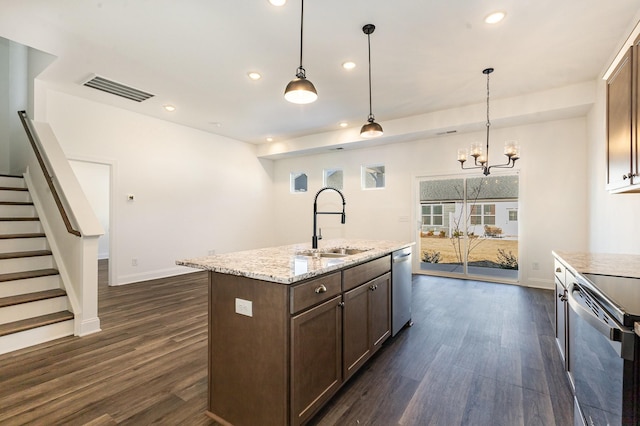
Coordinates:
[118,89]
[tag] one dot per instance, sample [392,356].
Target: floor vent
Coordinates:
[118,89]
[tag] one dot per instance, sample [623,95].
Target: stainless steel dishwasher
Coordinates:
[400,289]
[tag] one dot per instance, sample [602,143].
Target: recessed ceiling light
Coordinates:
[269,139]
[253,75]
[495,17]
[348,65]
[343,124]
[278,2]
[169,107]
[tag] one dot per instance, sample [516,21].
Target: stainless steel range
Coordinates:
[604,355]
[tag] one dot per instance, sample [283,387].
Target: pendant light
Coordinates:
[300,90]
[371,129]
[481,161]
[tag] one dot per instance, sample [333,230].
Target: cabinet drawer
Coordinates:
[360,274]
[315,291]
[559,270]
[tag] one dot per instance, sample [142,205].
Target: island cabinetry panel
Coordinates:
[277,352]
[315,291]
[365,272]
[316,358]
[248,355]
[367,322]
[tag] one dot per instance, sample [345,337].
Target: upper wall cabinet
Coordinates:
[623,116]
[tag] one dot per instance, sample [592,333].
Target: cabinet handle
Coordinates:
[558,270]
[624,177]
[373,287]
[562,297]
[321,289]
[341,304]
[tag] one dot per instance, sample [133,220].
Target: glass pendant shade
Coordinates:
[371,130]
[300,91]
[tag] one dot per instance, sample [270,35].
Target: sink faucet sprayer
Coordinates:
[315,238]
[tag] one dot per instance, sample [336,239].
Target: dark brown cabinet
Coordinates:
[367,322]
[316,357]
[281,356]
[622,123]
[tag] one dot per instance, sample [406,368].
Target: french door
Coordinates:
[468,226]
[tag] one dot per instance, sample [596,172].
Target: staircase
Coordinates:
[33,306]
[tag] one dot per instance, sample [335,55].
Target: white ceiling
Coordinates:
[426,55]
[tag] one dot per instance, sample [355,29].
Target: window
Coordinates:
[333,178]
[513,215]
[483,214]
[373,176]
[432,215]
[298,182]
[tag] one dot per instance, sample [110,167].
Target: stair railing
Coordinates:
[31,134]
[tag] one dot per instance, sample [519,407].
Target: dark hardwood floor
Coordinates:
[478,354]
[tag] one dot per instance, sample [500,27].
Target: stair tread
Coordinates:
[28,324]
[31,297]
[28,274]
[20,254]
[18,219]
[13,188]
[16,203]
[28,235]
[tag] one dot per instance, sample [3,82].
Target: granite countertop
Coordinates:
[619,265]
[285,265]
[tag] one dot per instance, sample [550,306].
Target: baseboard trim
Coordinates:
[152,275]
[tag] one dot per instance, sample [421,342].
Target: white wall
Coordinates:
[553,192]
[193,191]
[94,179]
[614,226]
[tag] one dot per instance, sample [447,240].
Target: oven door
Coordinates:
[596,360]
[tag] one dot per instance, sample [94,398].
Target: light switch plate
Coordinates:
[244,307]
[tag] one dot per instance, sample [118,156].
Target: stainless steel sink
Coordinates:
[332,253]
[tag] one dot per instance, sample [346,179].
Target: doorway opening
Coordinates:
[468,226]
[95,180]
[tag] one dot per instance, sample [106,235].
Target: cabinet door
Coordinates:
[356,329]
[561,317]
[316,354]
[380,310]
[619,123]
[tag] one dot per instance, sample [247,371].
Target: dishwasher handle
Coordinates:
[611,330]
[402,258]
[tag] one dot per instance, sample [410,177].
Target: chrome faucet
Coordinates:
[315,238]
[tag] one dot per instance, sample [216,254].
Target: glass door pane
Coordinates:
[469,226]
[441,242]
[493,226]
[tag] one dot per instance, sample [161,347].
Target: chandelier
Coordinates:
[480,159]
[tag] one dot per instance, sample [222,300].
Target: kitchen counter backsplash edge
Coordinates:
[284,265]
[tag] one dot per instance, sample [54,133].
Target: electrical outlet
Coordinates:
[134,262]
[535,266]
[130,197]
[244,307]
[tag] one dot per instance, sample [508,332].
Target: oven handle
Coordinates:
[613,333]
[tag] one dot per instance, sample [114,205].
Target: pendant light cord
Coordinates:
[371,118]
[301,72]
[488,122]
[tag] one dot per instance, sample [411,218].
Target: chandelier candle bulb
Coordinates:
[462,155]
[476,150]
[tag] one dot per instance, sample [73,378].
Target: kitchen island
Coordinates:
[289,325]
